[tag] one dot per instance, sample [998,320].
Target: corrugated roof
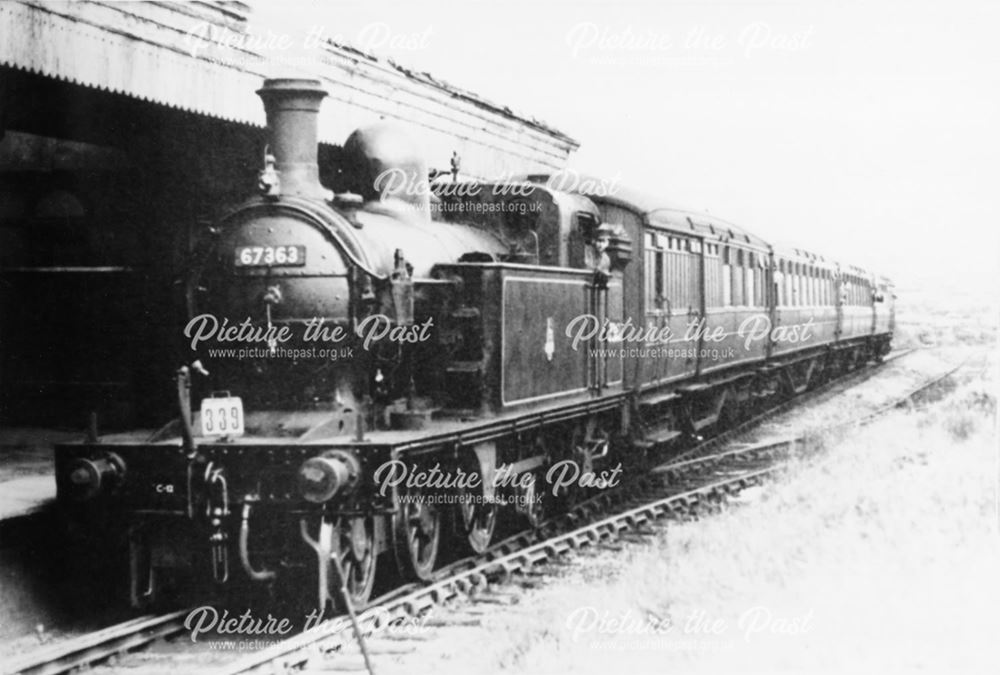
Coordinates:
[451,89]
[160,52]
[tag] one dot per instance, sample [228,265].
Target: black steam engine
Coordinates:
[380,374]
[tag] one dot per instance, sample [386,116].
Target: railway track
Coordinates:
[99,646]
[698,480]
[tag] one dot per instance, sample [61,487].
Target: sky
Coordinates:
[864,131]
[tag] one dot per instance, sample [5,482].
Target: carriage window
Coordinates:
[776,282]
[658,276]
[763,280]
[739,289]
[678,282]
[654,270]
[727,285]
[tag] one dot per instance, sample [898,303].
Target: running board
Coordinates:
[659,399]
[658,438]
[705,422]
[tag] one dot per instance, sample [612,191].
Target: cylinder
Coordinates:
[87,478]
[292,107]
[332,474]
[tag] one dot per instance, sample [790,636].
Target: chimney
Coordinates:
[292,107]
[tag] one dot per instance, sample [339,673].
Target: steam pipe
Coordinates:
[184,402]
[255,575]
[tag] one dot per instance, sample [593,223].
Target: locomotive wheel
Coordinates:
[478,521]
[731,413]
[416,532]
[532,498]
[356,551]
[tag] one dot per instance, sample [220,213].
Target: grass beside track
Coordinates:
[879,554]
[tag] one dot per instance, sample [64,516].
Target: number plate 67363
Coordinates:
[270,256]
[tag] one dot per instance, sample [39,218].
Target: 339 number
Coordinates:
[222,419]
[222,416]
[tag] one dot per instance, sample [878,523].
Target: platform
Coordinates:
[27,483]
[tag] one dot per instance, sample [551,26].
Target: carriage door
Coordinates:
[699,289]
[772,278]
[656,307]
[683,290]
[840,297]
[872,290]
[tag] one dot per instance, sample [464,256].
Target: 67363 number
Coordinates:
[268,256]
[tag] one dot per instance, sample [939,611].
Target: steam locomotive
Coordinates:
[383,374]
